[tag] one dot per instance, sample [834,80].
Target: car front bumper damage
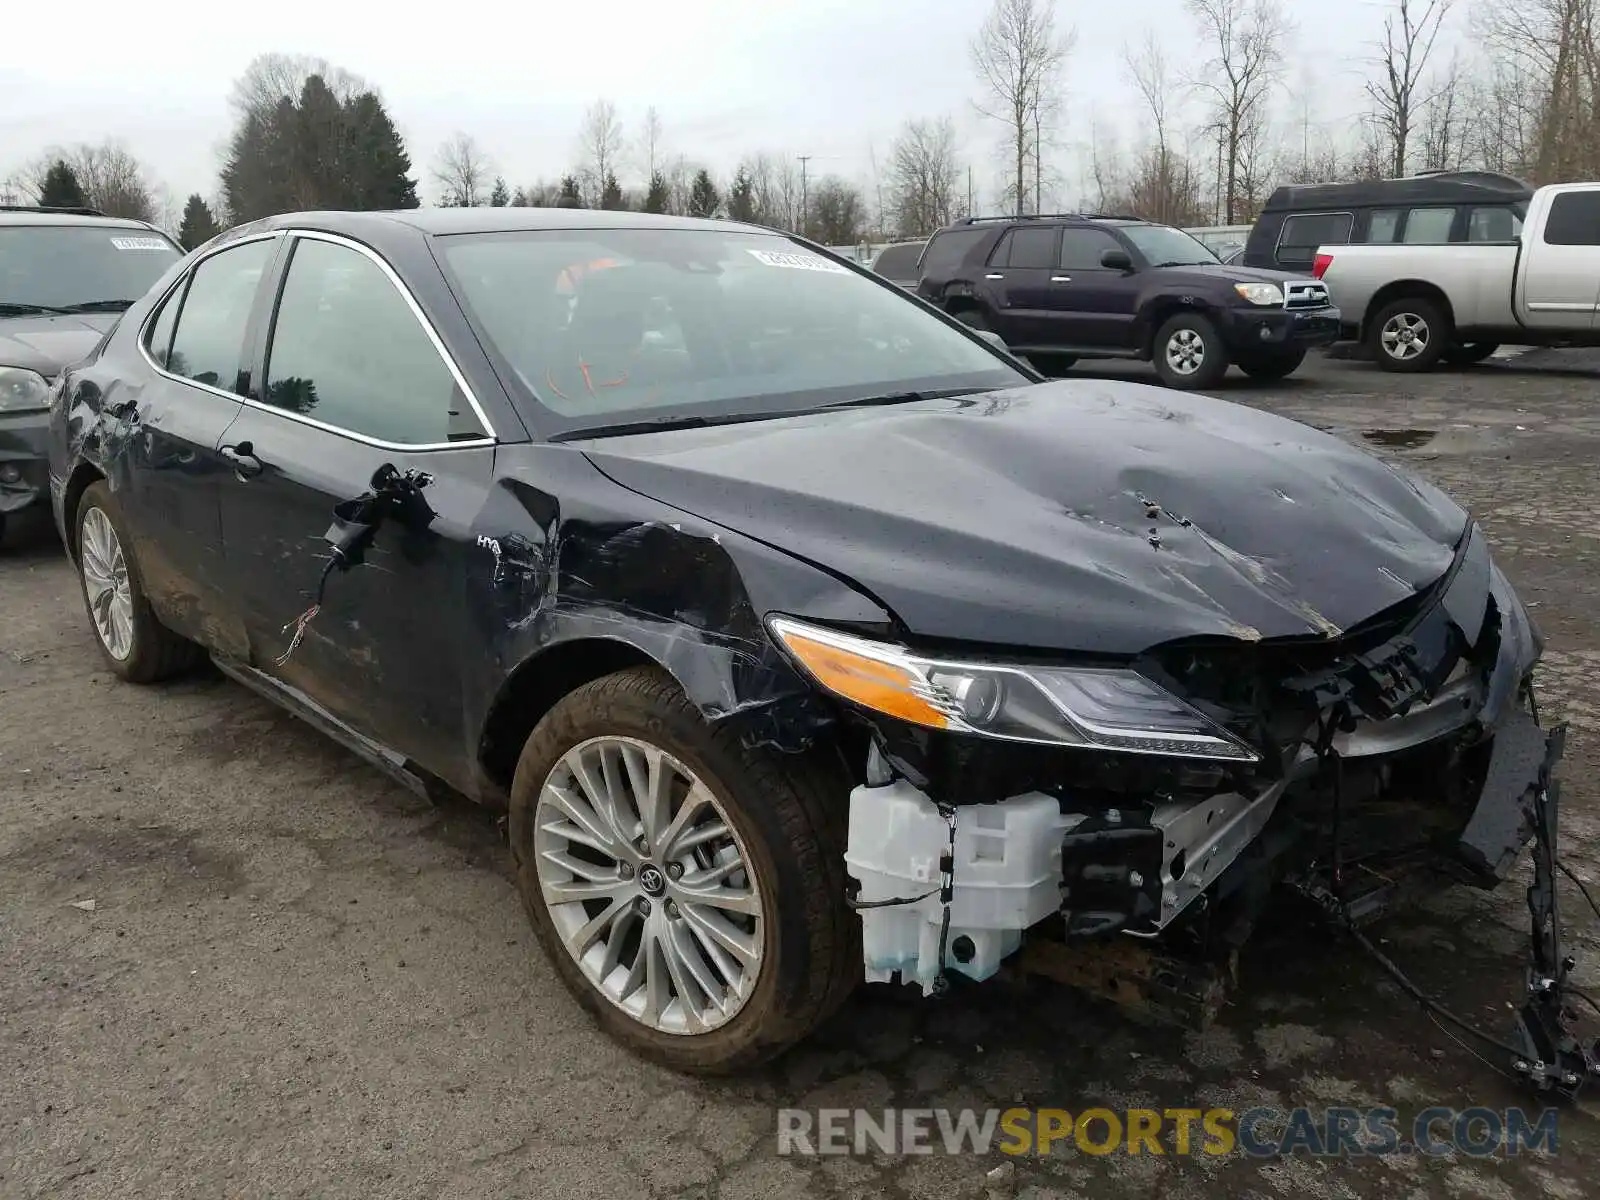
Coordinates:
[1148,902]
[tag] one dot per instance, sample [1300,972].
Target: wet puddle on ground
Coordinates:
[1400,439]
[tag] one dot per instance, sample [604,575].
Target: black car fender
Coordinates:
[608,586]
[1158,305]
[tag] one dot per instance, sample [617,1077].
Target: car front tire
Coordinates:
[1189,353]
[135,645]
[1466,354]
[689,890]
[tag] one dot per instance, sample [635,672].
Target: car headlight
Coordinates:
[1098,708]
[23,391]
[1260,293]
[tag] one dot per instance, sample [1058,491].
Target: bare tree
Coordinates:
[1443,121]
[1164,186]
[1246,39]
[1409,33]
[599,146]
[650,142]
[463,172]
[922,176]
[270,78]
[1018,56]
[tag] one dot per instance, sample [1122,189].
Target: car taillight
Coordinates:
[1320,267]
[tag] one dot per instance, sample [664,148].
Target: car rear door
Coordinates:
[1558,284]
[1019,278]
[354,381]
[1097,305]
[162,452]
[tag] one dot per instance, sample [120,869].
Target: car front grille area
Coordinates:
[1305,294]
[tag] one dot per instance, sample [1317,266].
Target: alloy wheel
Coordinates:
[1405,336]
[1186,351]
[648,886]
[105,582]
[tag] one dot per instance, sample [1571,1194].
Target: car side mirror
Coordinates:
[993,338]
[1116,260]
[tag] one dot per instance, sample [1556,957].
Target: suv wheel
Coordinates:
[689,890]
[1408,335]
[134,643]
[1465,354]
[1188,352]
[1271,365]
[972,318]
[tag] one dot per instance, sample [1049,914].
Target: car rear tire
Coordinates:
[1408,335]
[972,318]
[1188,352]
[719,950]
[1269,367]
[134,643]
[1460,354]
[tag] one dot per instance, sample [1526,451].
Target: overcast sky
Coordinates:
[828,78]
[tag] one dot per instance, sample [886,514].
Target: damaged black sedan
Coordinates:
[806,636]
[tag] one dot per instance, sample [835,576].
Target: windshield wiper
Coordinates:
[702,421]
[13,309]
[94,306]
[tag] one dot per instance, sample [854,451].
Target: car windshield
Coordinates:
[1164,246]
[53,267]
[610,326]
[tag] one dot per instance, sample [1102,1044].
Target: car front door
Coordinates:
[1018,277]
[1097,304]
[355,382]
[161,451]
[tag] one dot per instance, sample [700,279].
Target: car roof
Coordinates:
[23,215]
[1117,220]
[446,221]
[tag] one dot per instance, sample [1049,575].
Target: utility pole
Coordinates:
[804,159]
[971,212]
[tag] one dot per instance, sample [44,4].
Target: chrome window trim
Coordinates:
[489,439]
[183,278]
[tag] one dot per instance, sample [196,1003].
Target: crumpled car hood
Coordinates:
[48,344]
[1090,516]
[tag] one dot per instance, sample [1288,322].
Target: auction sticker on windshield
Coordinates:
[798,262]
[139,243]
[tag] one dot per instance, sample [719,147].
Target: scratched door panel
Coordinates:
[384,651]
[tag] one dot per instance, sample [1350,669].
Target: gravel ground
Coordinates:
[297,980]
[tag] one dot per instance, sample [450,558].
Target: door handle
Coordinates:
[1061,279]
[243,457]
[994,276]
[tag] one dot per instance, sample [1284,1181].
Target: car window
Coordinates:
[1429,226]
[677,322]
[62,266]
[1497,224]
[1029,249]
[1574,220]
[208,345]
[1383,225]
[1164,246]
[1081,248]
[347,350]
[1302,234]
[158,338]
[948,250]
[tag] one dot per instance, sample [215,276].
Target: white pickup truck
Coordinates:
[1530,283]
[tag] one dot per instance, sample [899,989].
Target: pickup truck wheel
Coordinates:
[1408,335]
[689,890]
[1188,352]
[1464,355]
[1271,365]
